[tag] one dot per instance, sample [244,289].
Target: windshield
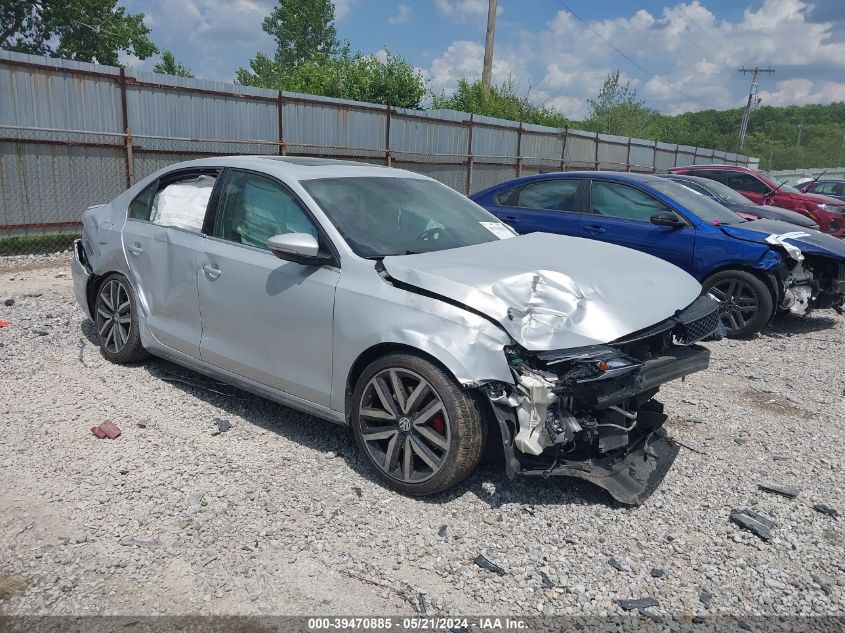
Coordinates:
[400,216]
[777,182]
[703,207]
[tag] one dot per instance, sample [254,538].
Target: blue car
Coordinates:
[756,268]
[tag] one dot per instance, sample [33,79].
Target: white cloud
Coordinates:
[474,11]
[342,8]
[693,55]
[402,15]
[464,58]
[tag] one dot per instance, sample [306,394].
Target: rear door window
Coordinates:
[549,195]
[621,201]
[182,202]
[746,182]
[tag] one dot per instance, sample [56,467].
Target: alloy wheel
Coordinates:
[740,303]
[114,319]
[404,425]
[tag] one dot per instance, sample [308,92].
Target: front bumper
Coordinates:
[590,412]
[81,275]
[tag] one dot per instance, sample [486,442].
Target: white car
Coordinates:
[382,299]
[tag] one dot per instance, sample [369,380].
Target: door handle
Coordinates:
[594,230]
[211,271]
[135,249]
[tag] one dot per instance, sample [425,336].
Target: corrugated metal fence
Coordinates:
[792,175]
[75,134]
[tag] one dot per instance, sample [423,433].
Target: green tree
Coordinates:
[303,29]
[501,102]
[169,66]
[344,76]
[84,30]
[309,59]
[618,110]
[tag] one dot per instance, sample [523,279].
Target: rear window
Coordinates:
[182,203]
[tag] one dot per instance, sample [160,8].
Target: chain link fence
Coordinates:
[73,135]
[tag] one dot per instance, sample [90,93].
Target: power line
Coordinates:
[633,62]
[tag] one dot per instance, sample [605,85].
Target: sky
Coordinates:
[680,56]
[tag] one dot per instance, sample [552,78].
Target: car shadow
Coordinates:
[792,324]
[489,482]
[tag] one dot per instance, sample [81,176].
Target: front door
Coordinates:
[263,318]
[161,238]
[621,214]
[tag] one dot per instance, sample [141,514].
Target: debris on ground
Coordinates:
[222,426]
[705,598]
[641,605]
[779,489]
[443,531]
[195,498]
[754,522]
[5,323]
[548,583]
[107,429]
[483,562]
[358,491]
[657,573]
[9,303]
[637,603]
[826,509]
[822,584]
[741,440]
[615,564]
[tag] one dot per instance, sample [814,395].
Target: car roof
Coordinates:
[621,176]
[712,166]
[826,180]
[704,182]
[300,167]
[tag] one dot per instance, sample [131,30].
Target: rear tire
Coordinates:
[116,321]
[420,431]
[747,302]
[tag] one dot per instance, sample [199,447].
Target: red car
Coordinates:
[827,212]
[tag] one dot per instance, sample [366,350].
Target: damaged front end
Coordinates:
[590,412]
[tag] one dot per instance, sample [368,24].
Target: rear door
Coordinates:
[621,214]
[551,205]
[161,239]
[264,318]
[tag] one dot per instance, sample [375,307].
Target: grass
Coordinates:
[36,244]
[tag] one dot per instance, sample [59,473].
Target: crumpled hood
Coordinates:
[553,291]
[812,242]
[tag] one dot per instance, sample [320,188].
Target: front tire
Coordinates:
[116,321]
[418,429]
[747,302]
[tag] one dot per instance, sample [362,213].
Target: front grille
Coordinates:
[700,321]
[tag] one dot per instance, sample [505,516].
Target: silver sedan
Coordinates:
[384,300]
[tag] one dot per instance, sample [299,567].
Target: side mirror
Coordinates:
[301,248]
[667,218]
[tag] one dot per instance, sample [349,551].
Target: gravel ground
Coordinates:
[279,515]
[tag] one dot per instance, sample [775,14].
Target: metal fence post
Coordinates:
[563,149]
[596,152]
[519,150]
[130,163]
[469,157]
[388,155]
[280,107]
[628,157]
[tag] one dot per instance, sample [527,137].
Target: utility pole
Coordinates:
[487,71]
[753,100]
